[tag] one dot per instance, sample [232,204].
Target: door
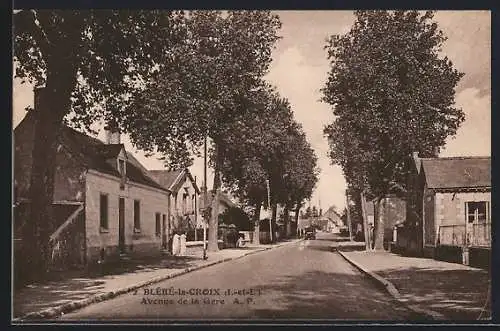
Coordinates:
[121,225]
[164,231]
[475,228]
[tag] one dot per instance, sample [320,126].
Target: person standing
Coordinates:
[176,241]
[182,244]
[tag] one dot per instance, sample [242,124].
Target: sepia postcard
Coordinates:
[235,166]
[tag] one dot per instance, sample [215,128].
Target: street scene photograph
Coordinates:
[251,165]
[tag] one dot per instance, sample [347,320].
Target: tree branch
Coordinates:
[39,34]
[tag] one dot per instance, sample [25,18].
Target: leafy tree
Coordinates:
[308,212]
[225,57]
[89,61]
[266,143]
[238,217]
[166,78]
[301,173]
[314,212]
[253,148]
[392,94]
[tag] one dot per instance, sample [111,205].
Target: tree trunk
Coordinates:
[378,231]
[213,245]
[274,212]
[366,228]
[348,214]
[297,211]
[256,220]
[286,217]
[53,103]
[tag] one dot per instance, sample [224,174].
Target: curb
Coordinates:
[393,291]
[72,306]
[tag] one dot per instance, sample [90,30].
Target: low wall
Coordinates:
[196,247]
[480,257]
[97,253]
[429,252]
[144,250]
[248,235]
[451,254]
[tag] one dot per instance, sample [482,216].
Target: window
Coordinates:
[164,221]
[184,203]
[104,211]
[477,212]
[193,203]
[121,165]
[123,170]
[158,225]
[137,215]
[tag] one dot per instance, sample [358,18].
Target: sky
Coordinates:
[299,70]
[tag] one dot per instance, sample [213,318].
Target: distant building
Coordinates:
[334,220]
[183,200]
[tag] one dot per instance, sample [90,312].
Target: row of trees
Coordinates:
[274,150]
[312,212]
[169,79]
[392,94]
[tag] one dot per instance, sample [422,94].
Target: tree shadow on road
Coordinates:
[341,296]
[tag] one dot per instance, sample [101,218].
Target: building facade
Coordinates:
[456,208]
[105,202]
[448,210]
[183,201]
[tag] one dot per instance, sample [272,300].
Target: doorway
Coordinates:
[164,232]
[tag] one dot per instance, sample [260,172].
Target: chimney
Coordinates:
[417,160]
[112,134]
[38,93]
[115,138]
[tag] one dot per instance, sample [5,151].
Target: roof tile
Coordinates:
[457,172]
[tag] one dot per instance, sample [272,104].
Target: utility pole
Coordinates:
[195,213]
[349,224]
[204,193]
[269,206]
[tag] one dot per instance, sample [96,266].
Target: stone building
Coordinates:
[111,207]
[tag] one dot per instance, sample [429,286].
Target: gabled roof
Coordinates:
[109,151]
[457,172]
[95,154]
[331,214]
[164,177]
[173,180]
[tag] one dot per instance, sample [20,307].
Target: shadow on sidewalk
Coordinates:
[71,285]
[133,265]
[457,294]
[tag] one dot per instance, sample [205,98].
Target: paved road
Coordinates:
[300,281]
